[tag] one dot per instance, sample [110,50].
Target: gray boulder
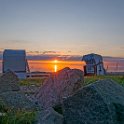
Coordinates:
[10,92]
[61,84]
[98,103]
[17,100]
[49,116]
[9,82]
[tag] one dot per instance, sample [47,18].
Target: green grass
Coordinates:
[32,81]
[12,116]
[91,79]
[87,80]
[18,117]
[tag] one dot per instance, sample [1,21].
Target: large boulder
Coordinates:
[50,116]
[99,103]
[61,84]
[10,92]
[9,82]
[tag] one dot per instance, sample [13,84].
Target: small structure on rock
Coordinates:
[99,103]
[94,64]
[15,60]
[60,84]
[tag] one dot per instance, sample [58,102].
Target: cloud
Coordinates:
[50,55]
[106,58]
[44,53]
[16,41]
[122,47]
[41,57]
[33,52]
[54,56]
[70,57]
[50,52]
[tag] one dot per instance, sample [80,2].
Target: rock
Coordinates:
[50,116]
[9,82]
[30,92]
[11,94]
[29,89]
[61,84]
[98,103]
[17,100]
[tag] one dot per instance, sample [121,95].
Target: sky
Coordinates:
[63,27]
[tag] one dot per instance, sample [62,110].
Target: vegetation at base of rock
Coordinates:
[18,117]
[91,79]
[12,116]
[3,107]
[87,80]
[32,81]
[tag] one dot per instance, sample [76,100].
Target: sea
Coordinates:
[55,65]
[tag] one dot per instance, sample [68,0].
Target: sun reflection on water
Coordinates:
[55,65]
[55,68]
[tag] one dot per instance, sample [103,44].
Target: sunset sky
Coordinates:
[63,27]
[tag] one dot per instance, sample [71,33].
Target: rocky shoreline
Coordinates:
[65,99]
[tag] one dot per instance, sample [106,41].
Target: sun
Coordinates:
[55,61]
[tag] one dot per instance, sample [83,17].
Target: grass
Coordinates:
[91,79]
[12,116]
[87,80]
[18,117]
[32,81]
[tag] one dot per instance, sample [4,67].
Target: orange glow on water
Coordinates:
[55,68]
[53,65]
